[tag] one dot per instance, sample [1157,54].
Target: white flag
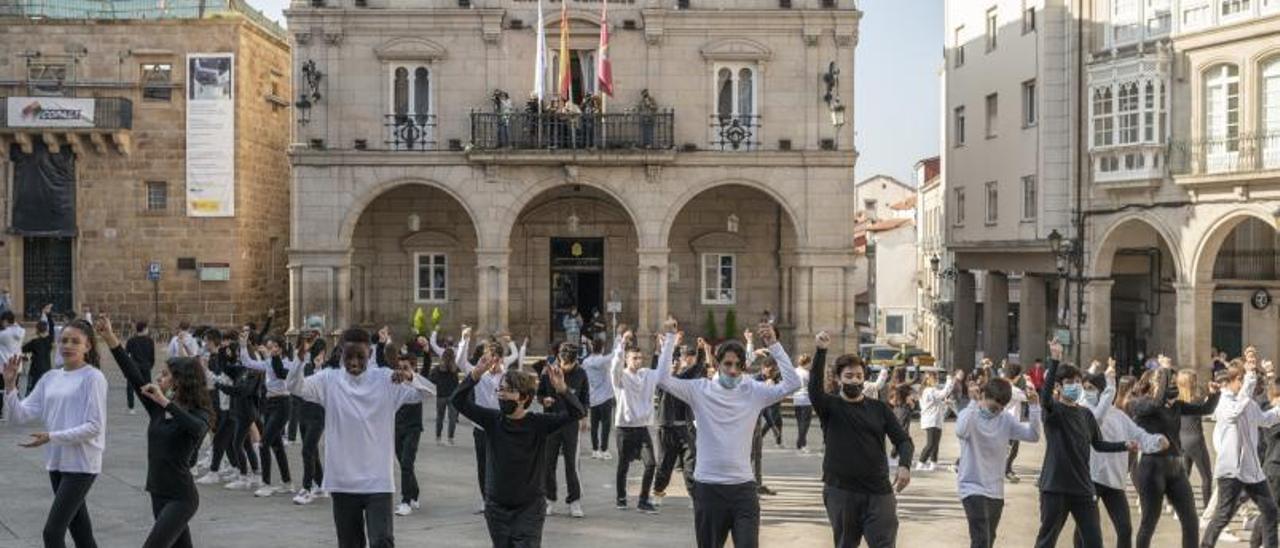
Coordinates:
[540,65]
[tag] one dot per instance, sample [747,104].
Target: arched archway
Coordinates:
[571,245]
[1133,311]
[731,249]
[681,203]
[360,205]
[1238,257]
[412,244]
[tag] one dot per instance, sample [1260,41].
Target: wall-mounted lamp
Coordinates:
[415,222]
[731,224]
[311,77]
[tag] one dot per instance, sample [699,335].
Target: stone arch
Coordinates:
[362,200]
[1104,257]
[501,233]
[678,205]
[1205,253]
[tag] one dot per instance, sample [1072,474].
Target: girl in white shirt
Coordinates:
[933,408]
[72,404]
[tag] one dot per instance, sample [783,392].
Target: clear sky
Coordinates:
[896,79]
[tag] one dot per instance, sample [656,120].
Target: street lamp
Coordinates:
[1059,254]
[933,264]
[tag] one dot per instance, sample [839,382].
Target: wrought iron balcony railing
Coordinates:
[109,113]
[741,132]
[556,131]
[1226,155]
[411,131]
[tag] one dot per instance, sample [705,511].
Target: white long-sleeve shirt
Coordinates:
[1112,469]
[11,342]
[933,405]
[726,418]
[275,386]
[984,445]
[191,345]
[599,372]
[73,407]
[801,397]
[635,390]
[1017,397]
[486,392]
[1235,433]
[359,424]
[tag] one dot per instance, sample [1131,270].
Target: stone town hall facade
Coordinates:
[729,191]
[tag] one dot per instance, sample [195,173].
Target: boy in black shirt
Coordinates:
[516,463]
[1069,431]
[565,439]
[142,350]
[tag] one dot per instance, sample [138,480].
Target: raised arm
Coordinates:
[616,361]
[771,394]
[249,361]
[435,348]
[1202,408]
[512,357]
[132,373]
[680,388]
[1026,431]
[308,388]
[817,378]
[266,326]
[463,400]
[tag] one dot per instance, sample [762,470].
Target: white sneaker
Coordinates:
[919,467]
[449,442]
[933,466]
[606,455]
[209,478]
[595,455]
[403,509]
[479,508]
[414,504]
[320,493]
[133,411]
[575,508]
[228,474]
[287,442]
[255,481]
[657,500]
[265,491]
[241,484]
[303,498]
[1228,537]
[804,450]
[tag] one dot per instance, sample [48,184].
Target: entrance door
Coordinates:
[1228,328]
[46,274]
[577,280]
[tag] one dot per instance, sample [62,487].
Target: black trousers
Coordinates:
[601,422]
[855,516]
[354,513]
[1013,454]
[772,416]
[239,454]
[677,445]
[932,437]
[1117,505]
[128,393]
[1054,508]
[564,442]
[1196,455]
[1229,500]
[226,431]
[295,409]
[983,514]
[757,450]
[723,510]
[407,456]
[516,526]
[33,377]
[172,516]
[1158,478]
[804,415]
[312,469]
[480,444]
[443,406]
[69,511]
[635,444]
[277,414]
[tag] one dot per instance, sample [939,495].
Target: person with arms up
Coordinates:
[635,385]
[40,349]
[1238,470]
[564,442]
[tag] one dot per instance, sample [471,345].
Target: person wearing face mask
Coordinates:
[1109,470]
[1238,470]
[564,442]
[985,430]
[1160,475]
[725,498]
[675,422]
[933,408]
[517,457]
[1070,430]
[855,475]
[360,403]
[178,406]
[271,362]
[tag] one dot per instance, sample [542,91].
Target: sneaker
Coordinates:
[804,450]
[657,499]
[209,478]
[1228,537]
[403,509]
[319,493]
[287,443]
[240,484]
[765,490]
[228,474]
[265,491]
[303,498]
[133,411]
[255,481]
[932,466]
[620,504]
[414,504]
[595,455]
[439,441]
[1012,477]
[551,508]
[645,507]
[449,442]
[606,455]
[919,467]
[575,509]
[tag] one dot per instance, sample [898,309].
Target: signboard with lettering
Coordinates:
[153,271]
[68,112]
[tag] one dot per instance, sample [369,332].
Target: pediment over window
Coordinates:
[428,239]
[736,49]
[718,242]
[409,49]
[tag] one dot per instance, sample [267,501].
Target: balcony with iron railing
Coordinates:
[735,132]
[100,122]
[588,132]
[1239,158]
[411,131]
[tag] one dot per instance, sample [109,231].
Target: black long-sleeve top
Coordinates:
[445,380]
[516,461]
[575,379]
[673,410]
[41,350]
[243,392]
[143,351]
[1069,432]
[854,434]
[173,436]
[409,415]
[1157,417]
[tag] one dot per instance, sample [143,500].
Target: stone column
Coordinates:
[996,317]
[964,327]
[295,297]
[1194,324]
[850,308]
[802,283]
[320,284]
[1032,332]
[651,305]
[492,276]
[1095,342]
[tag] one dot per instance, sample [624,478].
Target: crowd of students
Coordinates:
[357,404]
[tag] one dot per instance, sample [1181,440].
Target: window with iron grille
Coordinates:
[157,196]
[47,77]
[156,82]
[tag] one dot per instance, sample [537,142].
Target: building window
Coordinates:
[1029,198]
[993,28]
[1029,103]
[47,77]
[993,202]
[1222,108]
[1128,112]
[157,196]
[894,324]
[870,206]
[156,82]
[410,90]
[959,46]
[1157,21]
[718,278]
[959,126]
[1271,114]
[959,216]
[1103,124]
[993,115]
[432,282]
[1234,7]
[1196,16]
[735,93]
[1028,16]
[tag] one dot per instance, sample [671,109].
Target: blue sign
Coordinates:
[153,271]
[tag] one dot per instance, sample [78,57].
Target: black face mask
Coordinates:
[508,406]
[851,390]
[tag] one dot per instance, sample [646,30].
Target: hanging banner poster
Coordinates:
[211,125]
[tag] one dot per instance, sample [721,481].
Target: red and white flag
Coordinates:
[604,68]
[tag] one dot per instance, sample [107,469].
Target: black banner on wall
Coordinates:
[44,191]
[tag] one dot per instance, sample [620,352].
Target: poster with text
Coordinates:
[211,151]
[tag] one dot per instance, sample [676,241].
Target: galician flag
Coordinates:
[564,70]
[540,65]
[604,68]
